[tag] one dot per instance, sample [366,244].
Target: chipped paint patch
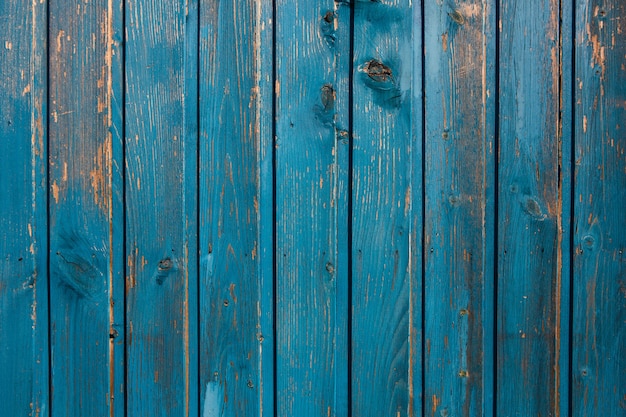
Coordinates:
[213,404]
[55,192]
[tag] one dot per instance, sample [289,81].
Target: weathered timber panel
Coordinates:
[86,217]
[24,370]
[323,208]
[529,209]
[161,146]
[386,210]
[599,229]
[309,325]
[459,228]
[236,354]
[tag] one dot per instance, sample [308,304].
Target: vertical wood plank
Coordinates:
[236,362]
[161,198]
[563,320]
[23,213]
[387,208]
[459,192]
[310,339]
[530,256]
[86,219]
[599,284]
[342,199]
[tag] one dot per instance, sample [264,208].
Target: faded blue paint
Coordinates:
[213,405]
[460,156]
[215,196]
[599,265]
[386,211]
[234,243]
[161,175]
[530,224]
[24,326]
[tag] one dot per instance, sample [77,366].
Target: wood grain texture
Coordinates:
[564,297]
[327,208]
[236,352]
[309,326]
[161,205]
[23,213]
[599,281]
[86,219]
[387,185]
[530,210]
[459,222]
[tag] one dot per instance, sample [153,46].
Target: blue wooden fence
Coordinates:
[313,208]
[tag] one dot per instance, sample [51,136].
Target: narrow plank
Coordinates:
[23,213]
[530,251]
[161,207]
[459,229]
[342,196]
[86,220]
[599,281]
[236,351]
[310,322]
[387,210]
[563,319]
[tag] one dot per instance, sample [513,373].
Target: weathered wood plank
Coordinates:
[310,352]
[236,352]
[86,217]
[342,42]
[564,299]
[387,208]
[599,284]
[459,190]
[161,198]
[23,213]
[530,251]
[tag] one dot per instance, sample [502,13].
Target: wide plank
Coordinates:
[530,210]
[86,216]
[311,352]
[386,374]
[236,222]
[161,102]
[460,153]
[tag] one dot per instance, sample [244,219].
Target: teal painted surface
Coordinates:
[309,325]
[386,207]
[24,363]
[325,208]
[460,153]
[599,281]
[86,220]
[530,230]
[236,349]
[565,308]
[161,208]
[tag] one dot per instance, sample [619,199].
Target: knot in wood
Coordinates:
[377,71]
[457,17]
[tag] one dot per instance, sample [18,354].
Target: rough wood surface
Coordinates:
[309,360]
[23,214]
[386,275]
[161,205]
[86,219]
[599,281]
[530,237]
[236,350]
[329,208]
[459,207]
